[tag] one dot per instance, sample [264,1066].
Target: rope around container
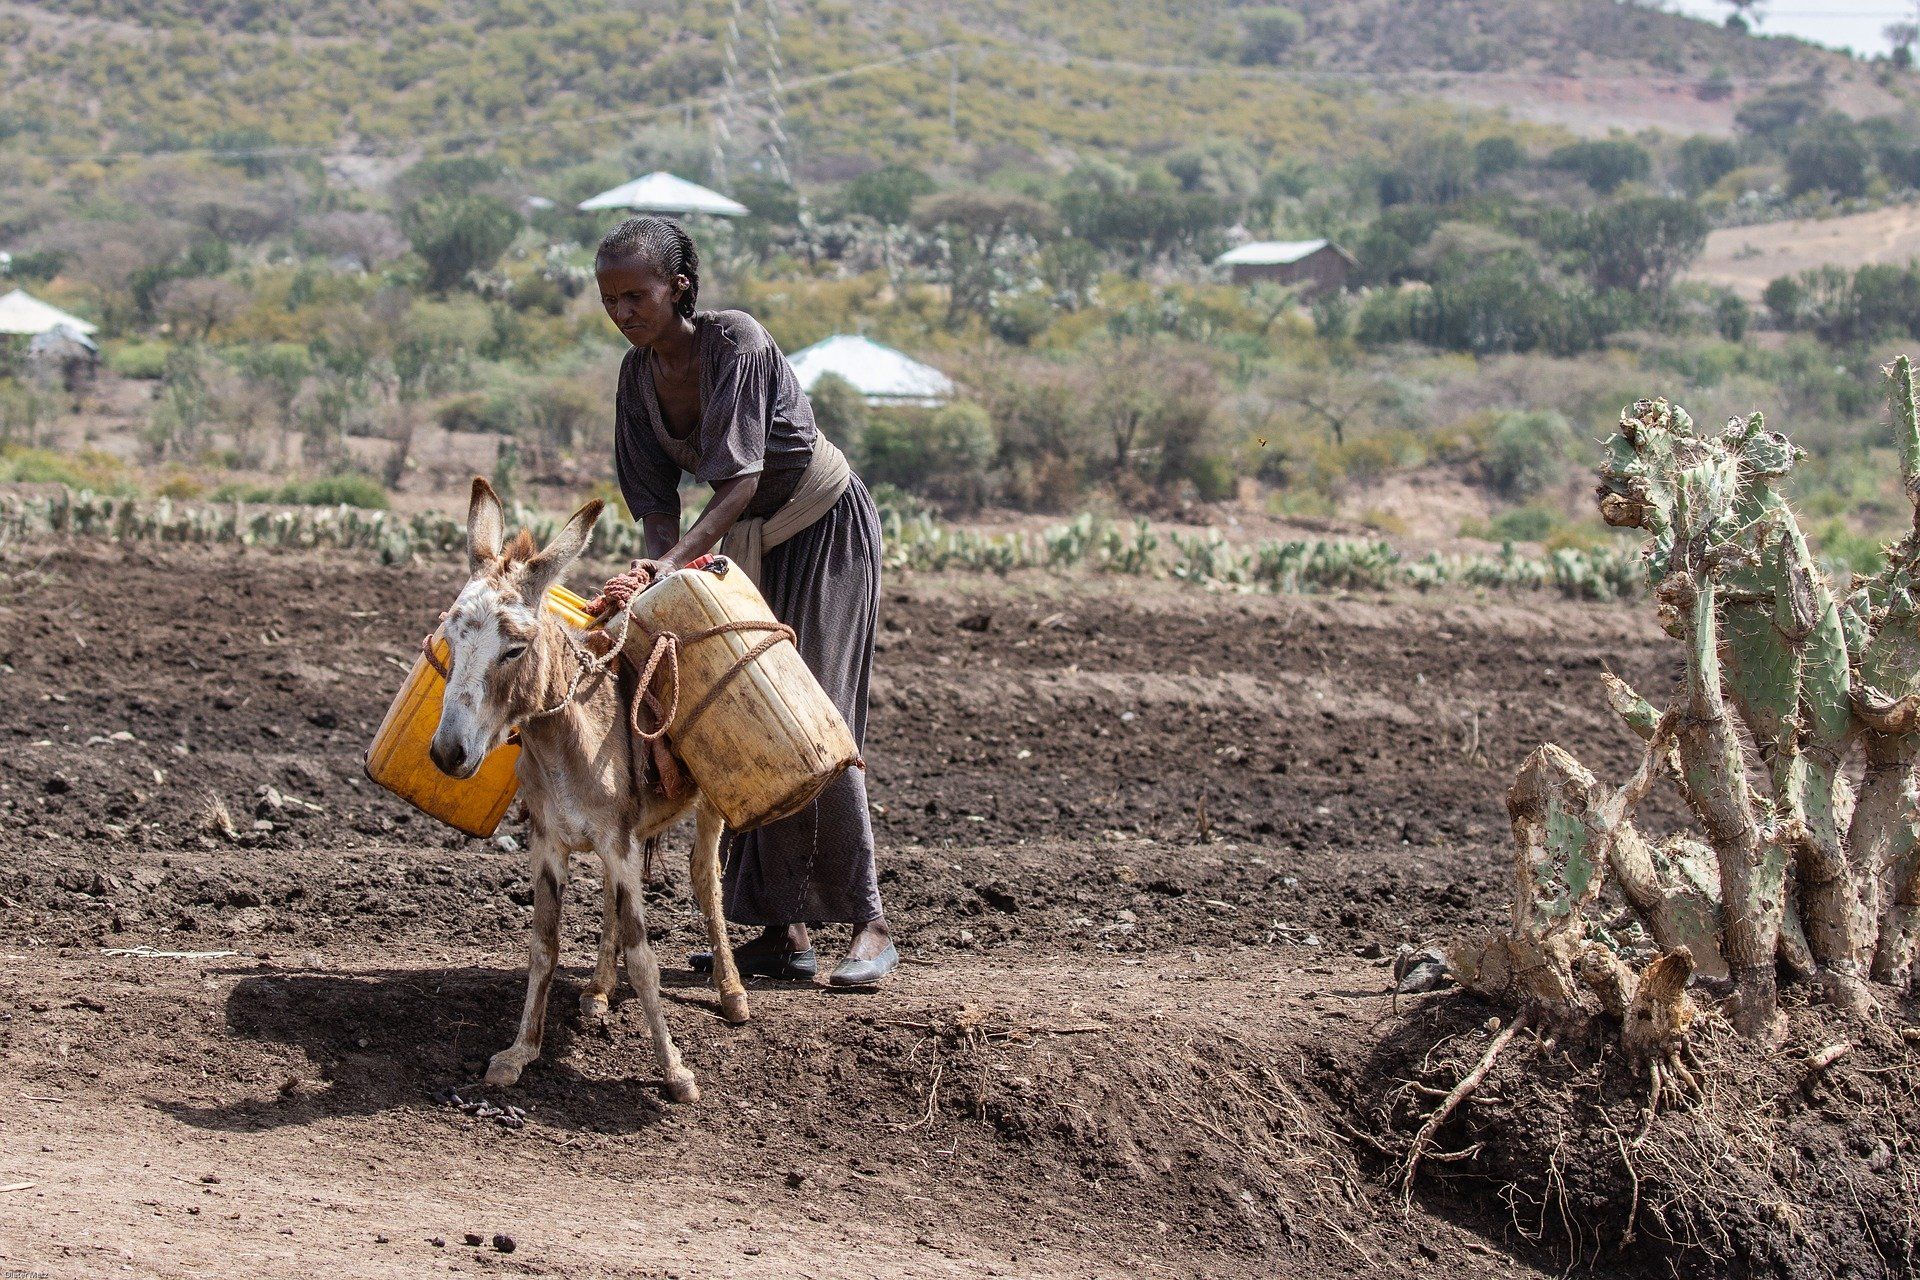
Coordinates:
[667,645]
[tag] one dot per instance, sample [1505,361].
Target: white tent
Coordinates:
[661,192]
[881,374]
[21,312]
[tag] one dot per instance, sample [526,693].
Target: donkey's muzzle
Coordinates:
[451,759]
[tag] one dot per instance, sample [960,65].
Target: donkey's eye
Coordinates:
[511,652]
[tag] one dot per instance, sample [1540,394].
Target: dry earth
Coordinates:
[1747,259]
[1148,849]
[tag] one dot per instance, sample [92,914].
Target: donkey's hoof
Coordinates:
[504,1069]
[593,1004]
[681,1088]
[733,1006]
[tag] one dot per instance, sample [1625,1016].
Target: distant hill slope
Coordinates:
[545,81]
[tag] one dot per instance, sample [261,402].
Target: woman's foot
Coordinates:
[870,957]
[778,952]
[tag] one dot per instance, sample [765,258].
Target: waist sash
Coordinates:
[825,480]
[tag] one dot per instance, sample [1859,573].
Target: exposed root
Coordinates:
[1461,1092]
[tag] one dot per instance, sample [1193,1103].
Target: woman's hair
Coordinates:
[665,246]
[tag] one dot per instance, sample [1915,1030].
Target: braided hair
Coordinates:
[664,245]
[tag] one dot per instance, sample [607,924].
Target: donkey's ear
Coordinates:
[486,525]
[545,569]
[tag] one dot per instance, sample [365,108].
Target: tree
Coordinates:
[198,307]
[982,231]
[1529,452]
[1605,163]
[1902,35]
[1704,161]
[1828,155]
[1142,217]
[458,235]
[1641,245]
[840,411]
[887,194]
[368,239]
[1269,34]
[1777,112]
[1496,156]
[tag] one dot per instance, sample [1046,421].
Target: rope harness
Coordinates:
[666,648]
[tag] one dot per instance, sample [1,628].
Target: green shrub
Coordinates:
[1523,524]
[1604,164]
[88,469]
[1528,452]
[1270,34]
[344,490]
[840,411]
[945,452]
[137,358]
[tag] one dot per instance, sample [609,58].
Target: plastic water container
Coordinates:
[398,758]
[770,739]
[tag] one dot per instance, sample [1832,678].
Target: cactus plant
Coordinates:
[1804,875]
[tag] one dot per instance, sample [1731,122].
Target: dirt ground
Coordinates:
[1748,259]
[1149,851]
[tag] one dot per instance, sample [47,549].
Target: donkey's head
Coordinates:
[498,668]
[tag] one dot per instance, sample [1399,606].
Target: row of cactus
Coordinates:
[1804,876]
[912,540]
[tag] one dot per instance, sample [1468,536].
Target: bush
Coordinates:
[334,491]
[887,194]
[1828,156]
[1522,524]
[1269,34]
[1732,316]
[137,359]
[840,411]
[945,452]
[1704,161]
[1528,452]
[1495,156]
[1604,164]
[458,235]
[87,469]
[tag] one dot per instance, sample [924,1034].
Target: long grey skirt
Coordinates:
[816,867]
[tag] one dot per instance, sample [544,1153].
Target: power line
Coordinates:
[699,102]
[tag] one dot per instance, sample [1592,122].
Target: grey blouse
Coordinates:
[754,420]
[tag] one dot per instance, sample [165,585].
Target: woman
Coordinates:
[708,392]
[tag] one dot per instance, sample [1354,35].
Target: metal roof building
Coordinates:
[881,374]
[662,192]
[1318,264]
[22,313]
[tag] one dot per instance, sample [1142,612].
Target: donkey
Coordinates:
[513,663]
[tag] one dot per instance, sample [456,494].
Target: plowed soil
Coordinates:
[1149,851]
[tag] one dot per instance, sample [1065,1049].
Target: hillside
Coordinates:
[546,83]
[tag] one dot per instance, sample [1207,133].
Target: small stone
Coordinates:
[796,1179]
[210,1178]
[380,1240]
[58,786]
[438,1242]
[475,1238]
[1372,951]
[506,844]
[504,1243]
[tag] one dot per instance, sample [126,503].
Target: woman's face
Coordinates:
[639,299]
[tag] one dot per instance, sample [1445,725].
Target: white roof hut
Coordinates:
[881,374]
[661,192]
[22,313]
[1317,264]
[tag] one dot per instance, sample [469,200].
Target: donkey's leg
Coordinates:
[543,951]
[708,829]
[594,1000]
[643,971]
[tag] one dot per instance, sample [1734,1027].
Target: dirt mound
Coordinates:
[1794,1162]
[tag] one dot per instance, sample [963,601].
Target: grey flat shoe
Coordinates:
[865,973]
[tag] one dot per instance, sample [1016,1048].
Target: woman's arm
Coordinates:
[730,498]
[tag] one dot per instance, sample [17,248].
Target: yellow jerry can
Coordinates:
[750,721]
[398,758]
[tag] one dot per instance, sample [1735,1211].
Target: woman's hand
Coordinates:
[640,575]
